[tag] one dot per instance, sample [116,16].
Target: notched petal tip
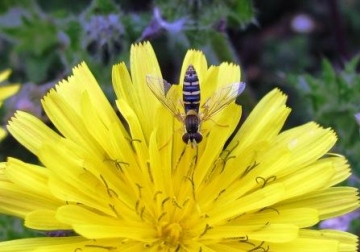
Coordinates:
[141,44]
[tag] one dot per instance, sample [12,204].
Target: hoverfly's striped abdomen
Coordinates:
[191,90]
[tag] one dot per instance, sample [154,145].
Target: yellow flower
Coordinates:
[6,92]
[131,184]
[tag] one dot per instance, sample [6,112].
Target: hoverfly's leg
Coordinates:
[197,154]
[180,116]
[194,144]
[204,132]
[218,124]
[180,131]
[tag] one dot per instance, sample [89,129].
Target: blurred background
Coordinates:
[309,49]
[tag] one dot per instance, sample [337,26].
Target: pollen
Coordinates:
[171,234]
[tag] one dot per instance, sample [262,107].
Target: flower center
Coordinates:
[171,234]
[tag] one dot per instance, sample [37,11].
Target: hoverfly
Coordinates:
[192,117]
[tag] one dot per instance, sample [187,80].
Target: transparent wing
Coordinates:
[164,93]
[221,98]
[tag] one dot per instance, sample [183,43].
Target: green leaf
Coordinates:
[332,99]
[329,73]
[350,67]
[243,12]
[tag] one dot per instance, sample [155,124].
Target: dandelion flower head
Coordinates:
[132,184]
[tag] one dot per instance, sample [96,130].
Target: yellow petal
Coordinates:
[346,199]
[307,143]
[9,90]
[143,62]
[198,60]
[269,233]
[254,201]
[25,189]
[30,131]
[307,218]
[44,220]
[138,137]
[43,244]
[263,123]
[80,185]
[15,201]
[3,134]
[27,176]
[215,140]
[95,226]
[4,74]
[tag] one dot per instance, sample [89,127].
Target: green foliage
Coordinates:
[13,228]
[351,16]
[44,46]
[103,7]
[205,12]
[43,40]
[34,47]
[205,22]
[333,100]
[242,12]
[279,55]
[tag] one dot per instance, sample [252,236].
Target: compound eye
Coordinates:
[186,138]
[198,137]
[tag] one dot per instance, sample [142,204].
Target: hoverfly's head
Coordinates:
[192,138]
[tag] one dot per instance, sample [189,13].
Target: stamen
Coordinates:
[235,217]
[265,181]
[149,171]
[109,190]
[260,246]
[172,234]
[142,213]
[249,168]
[185,202]
[163,202]
[215,165]
[207,228]
[137,204]
[161,216]
[175,203]
[192,186]
[180,157]
[132,141]
[221,192]
[109,248]
[118,164]
[114,210]
[139,187]
[248,242]
[238,238]
[156,194]
[270,208]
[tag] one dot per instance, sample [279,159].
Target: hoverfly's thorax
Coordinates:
[192,123]
[191,90]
